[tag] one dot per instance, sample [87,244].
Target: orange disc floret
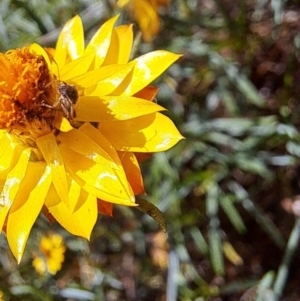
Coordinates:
[25,82]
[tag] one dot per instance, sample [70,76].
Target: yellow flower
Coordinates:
[145,12]
[52,249]
[71,121]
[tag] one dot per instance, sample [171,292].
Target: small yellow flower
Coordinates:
[71,121]
[52,249]
[145,12]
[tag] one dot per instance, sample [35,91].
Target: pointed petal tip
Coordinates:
[178,55]
[19,258]
[181,138]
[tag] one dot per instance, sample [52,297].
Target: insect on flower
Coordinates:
[67,98]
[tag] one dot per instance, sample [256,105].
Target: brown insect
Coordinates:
[66,100]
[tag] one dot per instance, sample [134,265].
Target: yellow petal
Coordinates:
[76,196]
[91,109]
[148,67]
[96,136]
[110,108]
[27,206]
[120,46]
[79,222]
[93,77]
[39,264]
[84,145]
[70,43]
[77,67]
[12,183]
[125,37]
[133,172]
[61,123]
[147,18]
[151,133]
[6,153]
[47,145]
[52,198]
[100,42]
[36,48]
[105,182]
[122,3]
[109,85]
[130,107]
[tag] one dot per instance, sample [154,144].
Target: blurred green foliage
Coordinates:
[228,192]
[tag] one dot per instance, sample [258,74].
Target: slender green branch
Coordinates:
[282,274]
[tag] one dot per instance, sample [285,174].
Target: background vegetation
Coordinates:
[229,192]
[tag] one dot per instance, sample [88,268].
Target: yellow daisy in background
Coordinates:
[71,121]
[51,257]
[145,12]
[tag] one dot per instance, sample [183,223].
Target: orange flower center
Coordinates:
[25,84]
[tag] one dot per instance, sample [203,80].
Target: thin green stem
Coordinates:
[283,271]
